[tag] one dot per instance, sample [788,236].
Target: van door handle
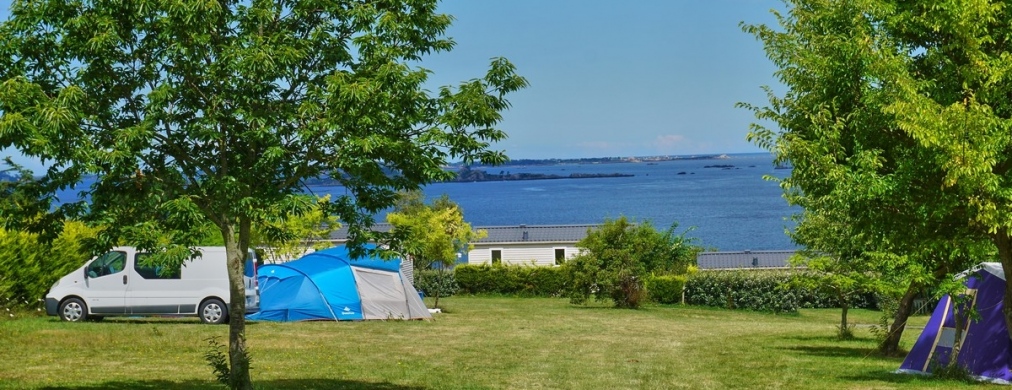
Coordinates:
[124,279]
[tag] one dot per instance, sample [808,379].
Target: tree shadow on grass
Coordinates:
[836,351]
[830,338]
[192,321]
[308,384]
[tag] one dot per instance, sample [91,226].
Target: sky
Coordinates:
[610,77]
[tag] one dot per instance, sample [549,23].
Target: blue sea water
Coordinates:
[727,209]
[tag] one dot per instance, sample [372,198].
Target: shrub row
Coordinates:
[432,282]
[666,288]
[28,268]
[516,280]
[762,290]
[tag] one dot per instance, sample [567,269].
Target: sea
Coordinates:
[722,204]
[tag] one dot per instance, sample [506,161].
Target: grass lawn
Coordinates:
[479,343]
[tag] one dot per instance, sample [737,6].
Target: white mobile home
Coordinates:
[544,245]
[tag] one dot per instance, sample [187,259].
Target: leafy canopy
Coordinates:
[433,234]
[191,111]
[896,120]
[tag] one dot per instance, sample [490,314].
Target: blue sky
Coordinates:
[611,77]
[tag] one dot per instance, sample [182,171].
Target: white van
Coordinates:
[117,284]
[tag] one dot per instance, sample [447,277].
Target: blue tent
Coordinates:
[330,285]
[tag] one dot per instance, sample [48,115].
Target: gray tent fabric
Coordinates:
[416,308]
[382,294]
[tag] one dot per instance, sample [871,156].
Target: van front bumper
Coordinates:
[52,305]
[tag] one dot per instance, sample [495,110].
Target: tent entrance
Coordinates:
[381,293]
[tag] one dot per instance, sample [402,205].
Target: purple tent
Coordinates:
[985,346]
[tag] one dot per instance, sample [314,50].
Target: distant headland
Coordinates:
[474,175]
[602,160]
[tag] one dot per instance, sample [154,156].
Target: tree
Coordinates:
[617,257]
[433,234]
[289,238]
[187,111]
[854,156]
[838,258]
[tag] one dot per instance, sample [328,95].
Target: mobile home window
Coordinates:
[560,256]
[496,256]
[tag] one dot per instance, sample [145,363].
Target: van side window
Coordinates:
[107,264]
[151,271]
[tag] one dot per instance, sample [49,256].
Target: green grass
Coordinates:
[479,343]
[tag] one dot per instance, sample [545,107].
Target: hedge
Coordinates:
[516,280]
[762,290]
[29,268]
[758,290]
[666,288]
[432,282]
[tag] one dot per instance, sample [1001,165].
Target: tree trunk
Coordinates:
[1004,243]
[239,378]
[891,345]
[439,287]
[960,308]
[844,306]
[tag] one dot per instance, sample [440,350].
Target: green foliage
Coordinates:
[845,332]
[431,234]
[777,291]
[515,280]
[217,359]
[287,235]
[880,330]
[952,372]
[28,268]
[619,255]
[433,282]
[748,290]
[895,120]
[191,112]
[666,288]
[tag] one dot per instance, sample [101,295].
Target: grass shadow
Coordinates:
[833,351]
[265,384]
[830,338]
[158,321]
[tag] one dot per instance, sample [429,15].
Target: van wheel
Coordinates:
[213,311]
[73,310]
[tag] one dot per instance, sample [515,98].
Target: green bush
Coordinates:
[515,280]
[432,282]
[28,268]
[749,290]
[762,290]
[617,258]
[666,288]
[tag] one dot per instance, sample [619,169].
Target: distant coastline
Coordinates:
[466,175]
[599,160]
